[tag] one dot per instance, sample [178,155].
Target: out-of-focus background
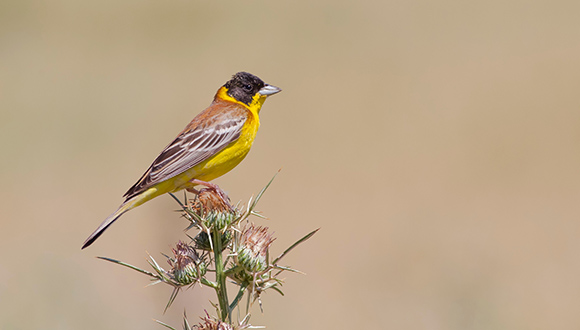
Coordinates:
[437,145]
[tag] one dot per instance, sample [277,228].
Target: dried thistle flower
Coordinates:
[209,210]
[209,200]
[254,244]
[186,266]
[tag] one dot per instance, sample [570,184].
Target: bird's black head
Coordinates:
[243,86]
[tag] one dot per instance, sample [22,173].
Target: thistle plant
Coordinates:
[227,251]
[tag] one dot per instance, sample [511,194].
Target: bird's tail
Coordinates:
[126,206]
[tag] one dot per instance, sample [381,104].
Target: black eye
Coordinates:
[248,87]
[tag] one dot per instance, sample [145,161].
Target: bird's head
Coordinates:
[249,89]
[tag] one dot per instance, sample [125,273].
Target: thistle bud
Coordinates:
[202,241]
[186,266]
[212,209]
[254,245]
[218,221]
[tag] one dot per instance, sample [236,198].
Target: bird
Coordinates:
[211,145]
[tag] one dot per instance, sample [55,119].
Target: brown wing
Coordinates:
[206,135]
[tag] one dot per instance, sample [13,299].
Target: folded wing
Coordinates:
[193,146]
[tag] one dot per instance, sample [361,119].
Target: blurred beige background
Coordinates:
[437,145]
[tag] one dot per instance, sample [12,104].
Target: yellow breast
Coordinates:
[230,156]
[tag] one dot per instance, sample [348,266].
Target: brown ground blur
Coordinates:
[437,144]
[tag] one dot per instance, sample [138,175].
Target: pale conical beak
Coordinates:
[269,90]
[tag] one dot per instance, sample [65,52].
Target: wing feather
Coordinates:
[194,145]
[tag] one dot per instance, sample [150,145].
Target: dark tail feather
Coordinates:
[109,221]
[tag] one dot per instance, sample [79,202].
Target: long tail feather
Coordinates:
[126,206]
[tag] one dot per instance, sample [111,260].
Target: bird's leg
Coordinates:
[192,190]
[223,196]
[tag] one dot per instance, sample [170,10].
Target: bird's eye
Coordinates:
[248,87]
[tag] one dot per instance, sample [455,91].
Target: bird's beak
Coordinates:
[269,90]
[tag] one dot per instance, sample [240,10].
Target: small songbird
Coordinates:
[211,145]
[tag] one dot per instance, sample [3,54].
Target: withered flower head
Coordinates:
[254,245]
[186,265]
[211,201]
[211,209]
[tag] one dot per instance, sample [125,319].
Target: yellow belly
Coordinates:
[223,162]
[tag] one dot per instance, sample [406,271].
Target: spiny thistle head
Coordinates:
[186,266]
[254,245]
[209,200]
[208,323]
[210,209]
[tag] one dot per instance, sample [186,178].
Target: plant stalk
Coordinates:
[220,277]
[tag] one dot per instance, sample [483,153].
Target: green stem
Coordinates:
[237,299]
[220,276]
